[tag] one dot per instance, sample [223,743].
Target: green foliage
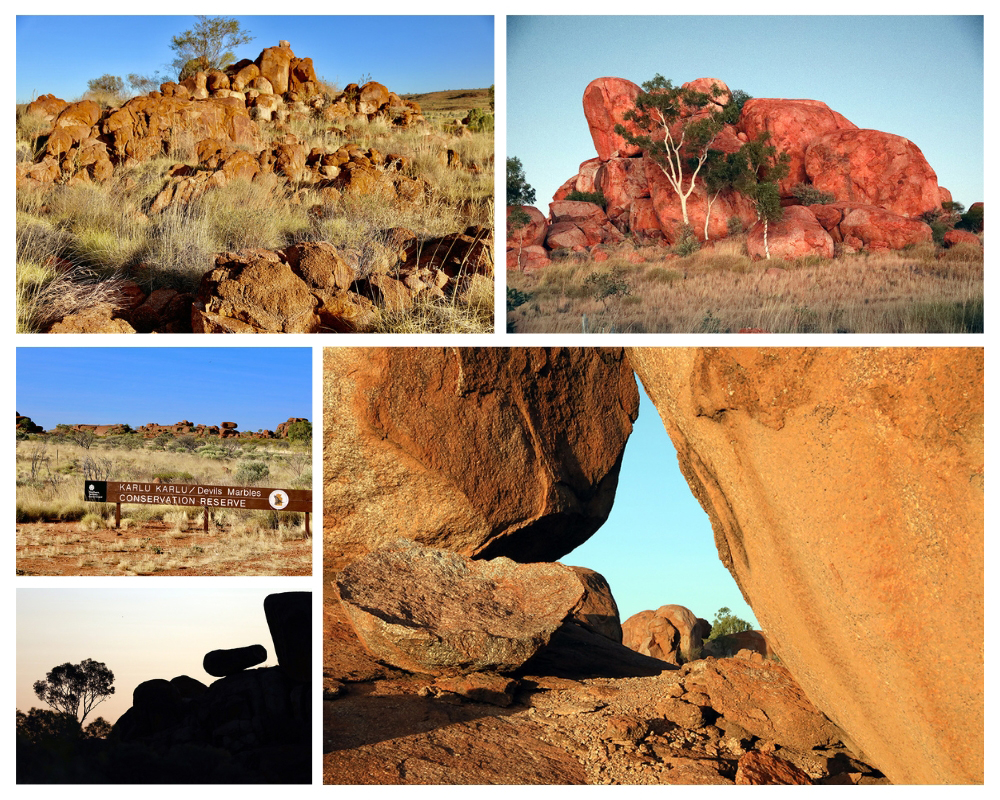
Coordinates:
[109,84]
[517,219]
[251,472]
[939,224]
[479,121]
[687,243]
[606,285]
[731,113]
[810,195]
[516,298]
[300,432]
[491,97]
[208,45]
[519,191]
[725,623]
[734,226]
[597,197]
[72,688]
[173,476]
[972,220]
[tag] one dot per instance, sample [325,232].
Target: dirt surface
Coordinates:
[385,726]
[157,548]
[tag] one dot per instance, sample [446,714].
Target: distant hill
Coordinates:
[452,100]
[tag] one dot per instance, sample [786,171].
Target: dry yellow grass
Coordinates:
[721,290]
[152,539]
[104,233]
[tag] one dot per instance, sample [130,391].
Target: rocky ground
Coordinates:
[384,726]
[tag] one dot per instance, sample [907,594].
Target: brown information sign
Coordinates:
[196,495]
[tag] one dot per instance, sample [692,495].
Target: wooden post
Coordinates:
[118,515]
[307,523]
[206,519]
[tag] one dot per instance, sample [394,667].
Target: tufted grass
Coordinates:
[97,235]
[919,290]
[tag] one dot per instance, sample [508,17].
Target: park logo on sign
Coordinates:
[278,499]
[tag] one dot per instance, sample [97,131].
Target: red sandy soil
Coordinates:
[136,544]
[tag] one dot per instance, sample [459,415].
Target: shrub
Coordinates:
[725,623]
[810,195]
[734,226]
[972,220]
[251,472]
[603,285]
[479,121]
[687,243]
[597,198]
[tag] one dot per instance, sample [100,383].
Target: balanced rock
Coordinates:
[484,451]
[437,612]
[846,491]
[605,101]
[228,662]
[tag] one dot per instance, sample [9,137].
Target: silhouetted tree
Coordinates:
[72,688]
[40,724]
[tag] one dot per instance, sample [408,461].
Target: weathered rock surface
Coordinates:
[873,168]
[605,100]
[484,451]
[798,455]
[798,233]
[672,634]
[434,611]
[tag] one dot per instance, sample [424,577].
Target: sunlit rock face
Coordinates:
[485,451]
[845,489]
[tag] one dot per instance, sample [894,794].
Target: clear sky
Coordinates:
[140,634]
[657,547]
[58,55]
[253,387]
[916,77]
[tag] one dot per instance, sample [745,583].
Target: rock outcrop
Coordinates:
[865,169]
[253,725]
[845,489]
[484,451]
[672,633]
[214,109]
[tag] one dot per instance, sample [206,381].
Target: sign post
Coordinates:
[208,497]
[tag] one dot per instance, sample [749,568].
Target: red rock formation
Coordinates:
[672,633]
[793,125]
[873,168]
[531,234]
[845,489]
[526,465]
[605,100]
[796,234]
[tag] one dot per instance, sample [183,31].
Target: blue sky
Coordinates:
[657,546]
[917,77]
[58,55]
[253,387]
[139,634]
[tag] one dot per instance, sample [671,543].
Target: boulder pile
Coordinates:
[311,287]
[251,725]
[671,633]
[224,430]
[881,184]
[217,111]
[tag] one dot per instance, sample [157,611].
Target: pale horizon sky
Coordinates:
[57,55]
[920,77]
[253,387]
[139,633]
[657,547]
